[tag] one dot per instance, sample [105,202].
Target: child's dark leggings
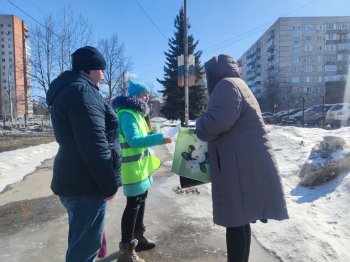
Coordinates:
[238,243]
[133,216]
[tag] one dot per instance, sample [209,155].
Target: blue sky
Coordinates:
[221,26]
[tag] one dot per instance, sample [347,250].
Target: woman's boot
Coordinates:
[128,253]
[144,243]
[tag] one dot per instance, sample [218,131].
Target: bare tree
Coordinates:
[42,60]
[117,66]
[268,100]
[154,93]
[52,43]
[73,33]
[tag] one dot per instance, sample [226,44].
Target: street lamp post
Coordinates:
[186,65]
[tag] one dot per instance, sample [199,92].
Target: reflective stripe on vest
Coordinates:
[137,163]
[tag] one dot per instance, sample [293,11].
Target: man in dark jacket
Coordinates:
[87,166]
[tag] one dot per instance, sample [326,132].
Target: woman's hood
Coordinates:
[218,68]
[130,102]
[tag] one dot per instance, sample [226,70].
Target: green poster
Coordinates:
[191,158]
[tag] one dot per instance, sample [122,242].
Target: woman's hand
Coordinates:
[166,140]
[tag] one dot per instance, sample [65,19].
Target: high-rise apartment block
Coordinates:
[15,83]
[296,59]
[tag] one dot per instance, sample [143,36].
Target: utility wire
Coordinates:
[252,31]
[37,7]
[150,19]
[26,13]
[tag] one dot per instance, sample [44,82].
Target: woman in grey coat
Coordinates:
[245,183]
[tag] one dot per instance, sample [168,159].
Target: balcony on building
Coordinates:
[270,67]
[270,57]
[270,46]
[258,80]
[250,77]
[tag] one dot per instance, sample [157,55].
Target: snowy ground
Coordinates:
[319,225]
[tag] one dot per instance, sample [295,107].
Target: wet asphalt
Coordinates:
[33,227]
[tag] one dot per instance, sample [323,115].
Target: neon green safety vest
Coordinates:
[137,163]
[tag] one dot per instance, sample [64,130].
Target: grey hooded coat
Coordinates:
[245,183]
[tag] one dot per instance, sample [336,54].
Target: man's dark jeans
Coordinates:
[86,215]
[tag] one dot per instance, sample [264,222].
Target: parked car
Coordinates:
[316,115]
[277,117]
[339,115]
[283,115]
[295,117]
[267,117]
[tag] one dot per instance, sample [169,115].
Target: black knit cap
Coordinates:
[88,58]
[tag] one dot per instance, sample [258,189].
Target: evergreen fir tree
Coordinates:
[173,95]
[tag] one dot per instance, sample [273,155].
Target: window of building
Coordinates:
[2,52]
[296,38]
[308,37]
[8,32]
[330,58]
[331,36]
[330,68]
[320,37]
[296,27]
[319,79]
[295,79]
[307,89]
[319,27]
[296,89]
[308,48]
[342,57]
[330,26]
[343,47]
[9,25]
[343,36]
[296,48]
[10,59]
[308,58]
[9,39]
[2,32]
[331,48]
[307,79]
[342,26]
[308,68]
[319,48]
[10,52]
[308,27]
[296,59]
[1,26]
[3,60]
[319,58]
[319,68]
[294,69]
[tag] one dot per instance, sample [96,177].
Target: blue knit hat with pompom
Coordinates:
[136,88]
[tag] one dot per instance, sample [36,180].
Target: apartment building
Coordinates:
[15,83]
[294,61]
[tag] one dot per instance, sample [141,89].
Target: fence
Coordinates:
[8,121]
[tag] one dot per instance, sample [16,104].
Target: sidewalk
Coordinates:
[34,224]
